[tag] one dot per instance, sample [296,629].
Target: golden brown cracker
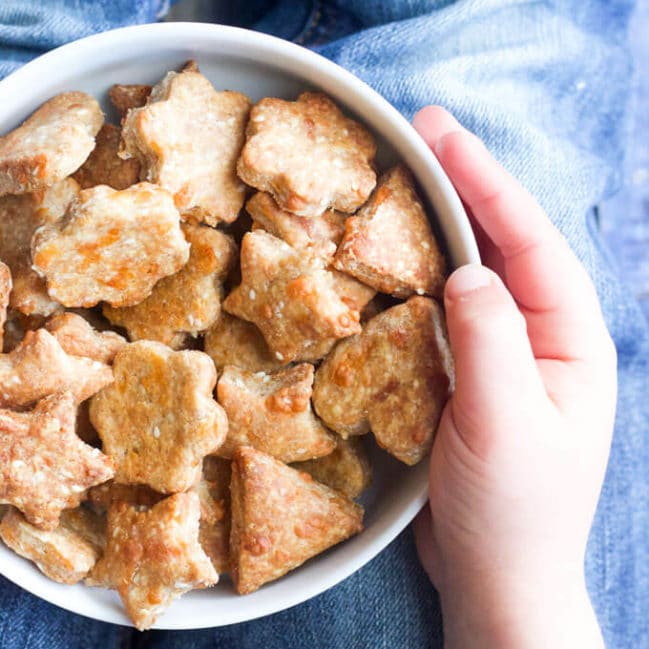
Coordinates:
[231,341]
[104,495]
[20,216]
[50,144]
[153,557]
[112,246]
[127,96]
[394,378]
[158,419]
[104,166]
[78,338]
[308,155]
[272,412]
[214,493]
[291,297]
[187,138]
[38,367]
[48,468]
[321,234]
[389,243]
[347,469]
[188,302]
[280,518]
[65,554]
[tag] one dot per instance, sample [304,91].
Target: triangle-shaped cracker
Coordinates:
[280,518]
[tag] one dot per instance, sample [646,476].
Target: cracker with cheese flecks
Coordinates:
[346,469]
[272,412]
[47,468]
[400,363]
[187,138]
[232,341]
[153,557]
[78,338]
[5,291]
[112,246]
[308,155]
[321,234]
[280,518]
[104,166]
[292,299]
[65,554]
[50,144]
[389,243]
[101,497]
[187,303]
[20,216]
[158,420]
[214,494]
[39,366]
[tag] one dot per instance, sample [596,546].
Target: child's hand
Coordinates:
[521,450]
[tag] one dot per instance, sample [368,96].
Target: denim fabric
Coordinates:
[545,84]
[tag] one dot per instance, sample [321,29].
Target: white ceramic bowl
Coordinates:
[259,66]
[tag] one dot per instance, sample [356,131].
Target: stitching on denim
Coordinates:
[312,24]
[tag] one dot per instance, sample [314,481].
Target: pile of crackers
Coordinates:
[204,309]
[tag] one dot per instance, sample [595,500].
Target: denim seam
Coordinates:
[311,25]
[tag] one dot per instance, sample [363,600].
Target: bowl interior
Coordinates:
[259,66]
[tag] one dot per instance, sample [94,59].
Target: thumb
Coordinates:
[497,383]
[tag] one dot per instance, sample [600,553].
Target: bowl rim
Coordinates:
[333,79]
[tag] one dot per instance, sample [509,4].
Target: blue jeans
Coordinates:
[545,84]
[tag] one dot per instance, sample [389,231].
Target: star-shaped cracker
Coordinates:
[389,243]
[65,554]
[51,144]
[78,337]
[214,494]
[308,155]
[5,291]
[347,469]
[158,420]
[153,557]
[38,367]
[292,299]
[272,412]
[104,166]
[188,302]
[112,245]
[20,216]
[45,467]
[280,518]
[187,138]
[400,363]
[320,234]
[231,341]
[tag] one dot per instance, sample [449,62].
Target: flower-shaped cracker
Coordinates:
[39,366]
[52,143]
[46,468]
[187,138]
[158,420]
[65,554]
[280,518]
[188,302]
[272,412]
[394,378]
[20,216]
[308,155]
[292,299]
[111,245]
[153,557]
[389,243]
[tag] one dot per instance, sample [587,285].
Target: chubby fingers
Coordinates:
[549,284]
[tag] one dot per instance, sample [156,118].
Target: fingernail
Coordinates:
[467,279]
